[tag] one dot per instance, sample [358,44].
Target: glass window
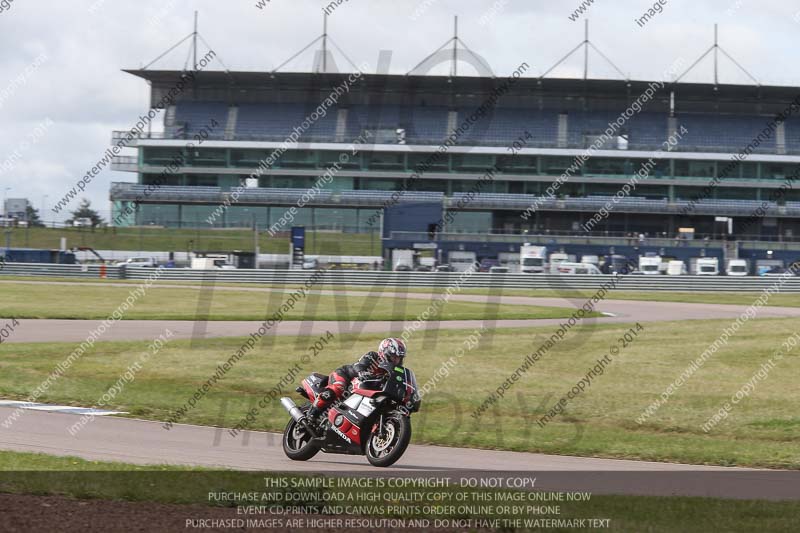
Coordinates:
[557,165]
[652,192]
[239,216]
[161,156]
[470,222]
[293,182]
[516,187]
[298,159]
[196,215]
[429,185]
[472,161]
[693,169]
[344,158]
[156,214]
[534,187]
[735,193]
[380,184]
[604,166]
[661,169]
[749,170]
[777,171]
[687,193]
[517,164]
[167,179]
[431,161]
[729,170]
[204,180]
[384,160]
[248,158]
[208,157]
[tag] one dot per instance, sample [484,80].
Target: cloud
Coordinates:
[82,89]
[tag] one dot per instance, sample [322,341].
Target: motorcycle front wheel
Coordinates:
[298,444]
[387,450]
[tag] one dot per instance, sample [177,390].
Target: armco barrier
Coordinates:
[415,279]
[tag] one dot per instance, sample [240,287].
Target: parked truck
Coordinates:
[707,266]
[737,267]
[461,260]
[402,260]
[676,268]
[532,258]
[650,265]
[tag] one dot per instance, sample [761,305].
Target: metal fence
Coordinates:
[414,279]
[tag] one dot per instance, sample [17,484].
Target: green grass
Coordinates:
[40,462]
[719,297]
[27,300]
[77,478]
[763,430]
[180,240]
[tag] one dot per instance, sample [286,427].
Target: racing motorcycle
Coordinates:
[373,419]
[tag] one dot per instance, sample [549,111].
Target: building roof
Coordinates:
[525,91]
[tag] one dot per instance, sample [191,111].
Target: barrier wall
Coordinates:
[414,279]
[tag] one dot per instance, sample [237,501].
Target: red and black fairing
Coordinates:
[312,386]
[344,429]
[350,421]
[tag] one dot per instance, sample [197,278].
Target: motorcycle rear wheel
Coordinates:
[385,452]
[297,442]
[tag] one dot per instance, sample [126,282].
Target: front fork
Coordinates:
[381,430]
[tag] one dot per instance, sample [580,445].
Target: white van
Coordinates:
[557,258]
[567,267]
[137,262]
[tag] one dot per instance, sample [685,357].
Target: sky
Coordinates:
[62,90]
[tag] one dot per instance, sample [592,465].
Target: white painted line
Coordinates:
[68,409]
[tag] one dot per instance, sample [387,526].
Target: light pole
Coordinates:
[44,205]
[5,196]
[6,223]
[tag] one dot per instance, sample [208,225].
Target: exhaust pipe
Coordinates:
[294,411]
[298,416]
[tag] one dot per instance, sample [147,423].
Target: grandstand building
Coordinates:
[731,157]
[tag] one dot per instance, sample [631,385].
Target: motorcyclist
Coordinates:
[392,350]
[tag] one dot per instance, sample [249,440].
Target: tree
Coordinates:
[85,211]
[32,216]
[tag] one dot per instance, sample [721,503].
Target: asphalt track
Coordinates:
[148,443]
[621,311]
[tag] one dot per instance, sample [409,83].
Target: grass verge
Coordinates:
[180,240]
[81,301]
[715,297]
[762,431]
